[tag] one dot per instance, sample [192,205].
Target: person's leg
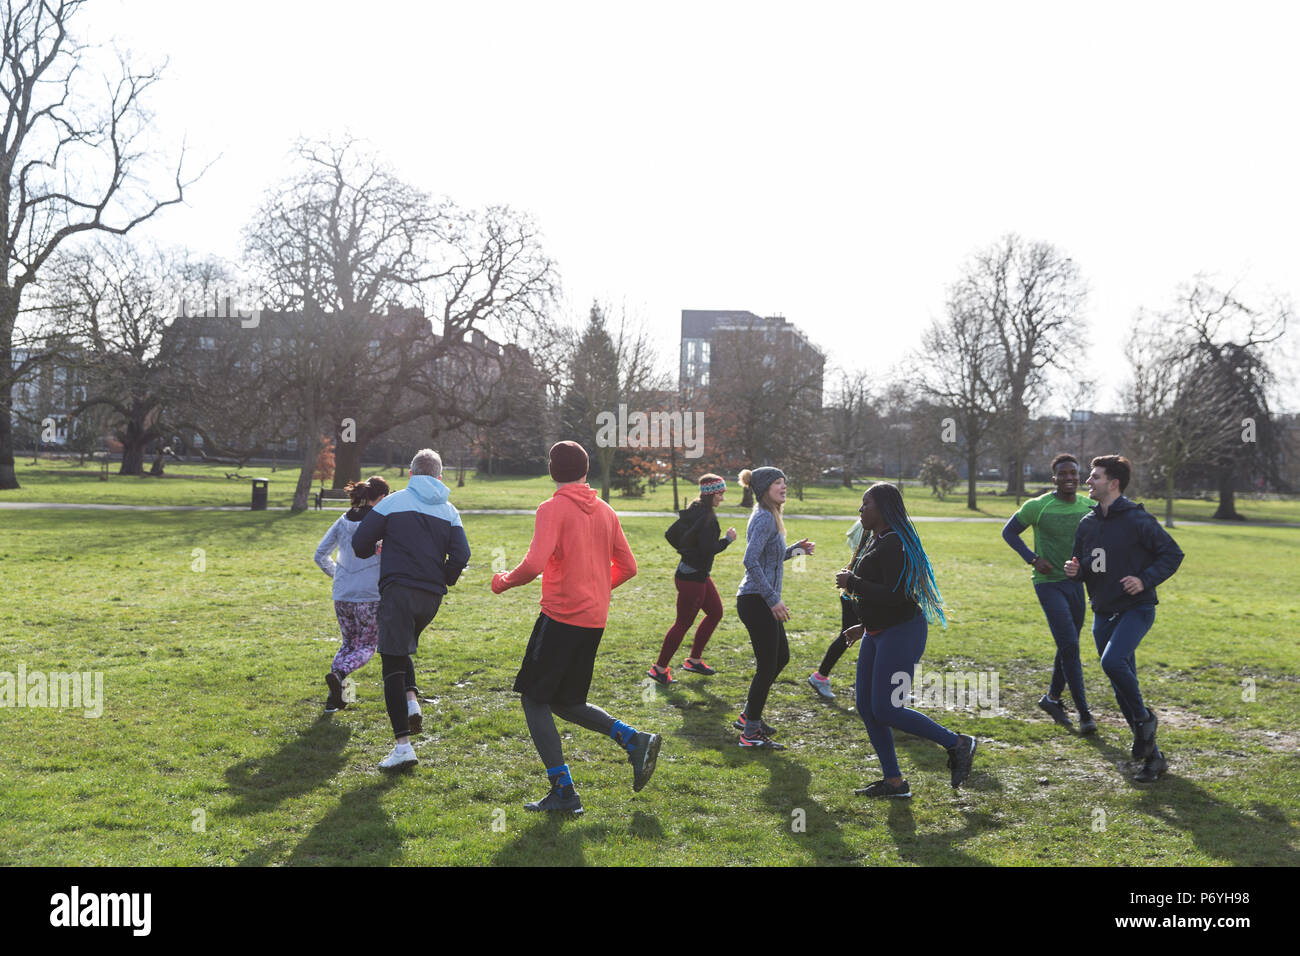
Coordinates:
[1103,626]
[848,619]
[765,638]
[395,669]
[1077,603]
[882,738]
[690,594]
[1062,603]
[712,607]
[898,648]
[541,727]
[1057,611]
[349,629]
[1119,659]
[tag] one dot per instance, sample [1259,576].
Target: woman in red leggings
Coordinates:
[695,591]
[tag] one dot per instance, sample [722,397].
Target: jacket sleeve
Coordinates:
[325,550]
[691,536]
[457,554]
[761,529]
[722,544]
[1085,560]
[545,535]
[1011,532]
[890,561]
[369,533]
[1168,555]
[622,566]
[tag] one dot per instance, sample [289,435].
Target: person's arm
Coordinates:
[457,553]
[622,565]
[1168,555]
[889,559]
[545,536]
[369,533]
[723,542]
[691,536]
[325,550]
[761,530]
[1011,532]
[1084,561]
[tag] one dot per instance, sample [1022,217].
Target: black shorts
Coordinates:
[558,663]
[403,613]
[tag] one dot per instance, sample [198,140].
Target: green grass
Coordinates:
[207,485]
[213,686]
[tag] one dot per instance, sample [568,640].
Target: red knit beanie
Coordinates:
[568,461]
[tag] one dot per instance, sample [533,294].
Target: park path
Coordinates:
[738,515]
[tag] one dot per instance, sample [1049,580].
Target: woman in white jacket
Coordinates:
[356,588]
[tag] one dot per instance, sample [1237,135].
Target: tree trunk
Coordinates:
[1169,499]
[8,316]
[747,499]
[672,460]
[347,462]
[309,444]
[1227,510]
[133,443]
[972,468]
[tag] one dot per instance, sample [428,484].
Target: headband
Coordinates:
[713,487]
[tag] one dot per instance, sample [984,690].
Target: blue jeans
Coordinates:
[1063,605]
[895,650]
[1117,638]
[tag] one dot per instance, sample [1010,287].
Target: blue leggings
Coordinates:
[1117,639]
[882,694]
[1062,603]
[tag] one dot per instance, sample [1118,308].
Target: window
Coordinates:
[207,342]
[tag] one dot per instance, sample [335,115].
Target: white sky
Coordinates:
[830,162]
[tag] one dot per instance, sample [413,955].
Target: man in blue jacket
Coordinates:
[1121,553]
[423,554]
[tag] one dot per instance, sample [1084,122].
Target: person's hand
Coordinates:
[842,579]
[731,534]
[499,582]
[1071,568]
[780,611]
[851,634]
[379,547]
[1132,585]
[1042,565]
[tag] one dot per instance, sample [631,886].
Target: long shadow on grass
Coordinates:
[705,724]
[299,767]
[1220,829]
[357,832]
[555,840]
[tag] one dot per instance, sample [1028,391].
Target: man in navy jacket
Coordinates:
[1121,553]
[424,551]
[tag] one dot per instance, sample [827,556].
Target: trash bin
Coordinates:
[259,494]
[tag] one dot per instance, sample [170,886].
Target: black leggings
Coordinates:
[541,725]
[771,650]
[848,618]
[399,677]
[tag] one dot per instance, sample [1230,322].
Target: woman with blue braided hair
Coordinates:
[896,599]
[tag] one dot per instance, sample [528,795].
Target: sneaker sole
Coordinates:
[648,767]
[879,796]
[576,812]
[1061,719]
[400,766]
[770,745]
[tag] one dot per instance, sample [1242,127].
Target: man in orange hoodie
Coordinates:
[579,549]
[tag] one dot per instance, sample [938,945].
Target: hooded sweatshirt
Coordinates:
[1124,542]
[356,580]
[580,551]
[424,541]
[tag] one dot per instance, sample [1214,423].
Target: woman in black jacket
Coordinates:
[695,591]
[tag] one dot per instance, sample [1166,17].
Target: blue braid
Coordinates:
[917,576]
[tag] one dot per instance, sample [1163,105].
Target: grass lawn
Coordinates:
[212,748]
[186,484]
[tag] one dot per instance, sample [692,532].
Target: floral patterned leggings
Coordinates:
[359,622]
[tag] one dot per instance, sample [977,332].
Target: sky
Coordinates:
[833,163]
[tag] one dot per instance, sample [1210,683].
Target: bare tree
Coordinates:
[70,159]
[854,421]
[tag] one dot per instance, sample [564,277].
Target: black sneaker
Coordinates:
[559,800]
[1057,710]
[642,756]
[1086,724]
[759,739]
[1145,744]
[1151,770]
[883,789]
[960,758]
[335,699]
[741,722]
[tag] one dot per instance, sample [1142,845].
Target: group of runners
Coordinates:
[400,552]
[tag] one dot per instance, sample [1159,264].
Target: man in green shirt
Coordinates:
[1054,518]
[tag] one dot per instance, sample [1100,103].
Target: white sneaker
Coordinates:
[403,755]
[414,718]
[821,684]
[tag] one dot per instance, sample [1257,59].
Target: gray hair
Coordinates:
[426,462]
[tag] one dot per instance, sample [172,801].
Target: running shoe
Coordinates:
[1057,710]
[960,758]
[642,756]
[414,718]
[1152,768]
[334,702]
[664,676]
[882,788]
[403,755]
[759,740]
[741,722]
[1086,724]
[557,802]
[700,668]
[821,684]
